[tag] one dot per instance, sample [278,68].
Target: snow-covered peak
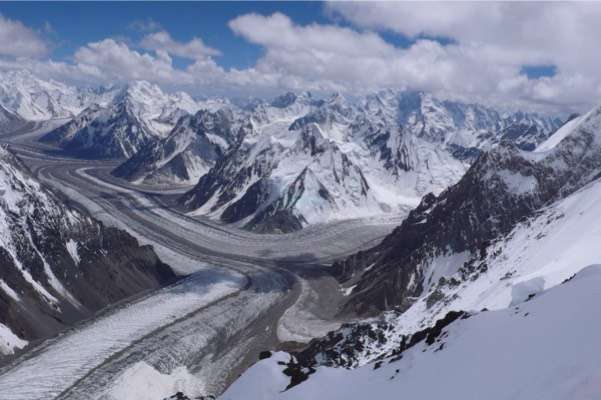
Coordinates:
[193,146]
[145,99]
[403,144]
[589,123]
[138,114]
[32,98]
[58,264]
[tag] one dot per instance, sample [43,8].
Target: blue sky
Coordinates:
[75,24]
[71,25]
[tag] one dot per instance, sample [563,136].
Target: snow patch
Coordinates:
[547,348]
[517,183]
[9,342]
[9,291]
[560,134]
[72,249]
[521,291]
[143,382]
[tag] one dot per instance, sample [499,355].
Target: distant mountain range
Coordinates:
[283,164]
[301,161]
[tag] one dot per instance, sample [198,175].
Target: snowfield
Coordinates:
[546,348]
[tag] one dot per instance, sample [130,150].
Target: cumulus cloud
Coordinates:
[20,41]
[329,56]
[115,60]
[145,25]
[195,49]
[505,36]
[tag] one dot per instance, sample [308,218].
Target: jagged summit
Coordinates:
[187,153]
[486,268]
[402,145]
[35,99]
[139,114]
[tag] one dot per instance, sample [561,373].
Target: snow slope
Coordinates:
[560,134]
[35,99]
[504,240]
[546,348]
[538,253]
[503,188]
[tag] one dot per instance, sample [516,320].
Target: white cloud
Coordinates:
[332,57]
[145,25]
[195,49]
[505,36]
[115,60]
[19,41]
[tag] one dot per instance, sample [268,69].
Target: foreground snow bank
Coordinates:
[143,382]
[545,348]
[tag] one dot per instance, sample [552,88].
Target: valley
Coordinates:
[215,322]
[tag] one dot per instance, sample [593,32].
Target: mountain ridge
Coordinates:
[58,264]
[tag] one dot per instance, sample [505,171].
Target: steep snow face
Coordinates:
[537,254]
[147,102]
[187,153]
[138,115]
[33,99]
[560,134]
[305,160]
[494,355]
[58,265]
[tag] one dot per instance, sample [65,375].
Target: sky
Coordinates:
[542,56]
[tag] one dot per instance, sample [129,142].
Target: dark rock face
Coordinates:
[103,132]
[9,122]
[196,143]
[349,345]
[248,204]
[182,396]
[502,188]
[465,217]
[61,264]
[226,179]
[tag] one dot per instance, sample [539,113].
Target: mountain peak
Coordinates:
[141,90]
[289,98]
